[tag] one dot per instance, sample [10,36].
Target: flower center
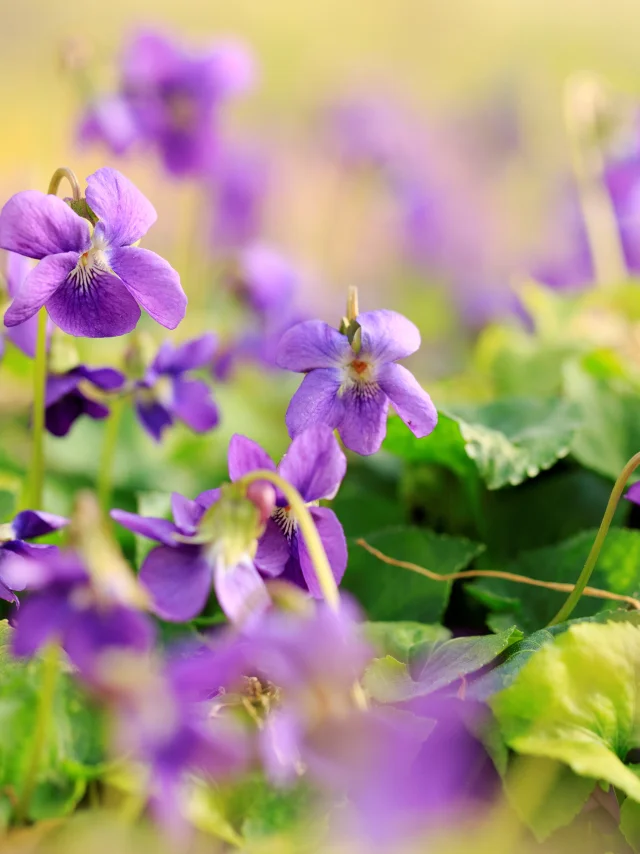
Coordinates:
[6,532]
[359,376]
[286,521]
[90,264]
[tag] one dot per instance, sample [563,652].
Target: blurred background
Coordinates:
[414,148]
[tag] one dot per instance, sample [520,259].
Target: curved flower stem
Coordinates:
[616,494]
[107,459]
[41,730]
[56,180]
[309,532]
[36,473]
[559,586]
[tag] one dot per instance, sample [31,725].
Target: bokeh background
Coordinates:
[480,82]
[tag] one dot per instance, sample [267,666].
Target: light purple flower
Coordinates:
[86,613]
[25,335]
[91,284]
[266,279]
[238,190]
[201,550]
[315,466]
[160,722]
[66,401]
[349,383]
[166,393]
[170,98]
[27,525]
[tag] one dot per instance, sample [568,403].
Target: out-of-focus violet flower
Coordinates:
[265,279]
[81,604]
[23,336]
[27,525]
[66,401]
[91,284]
[239,185]
[315,466]
[213,541]
[351,379]
[170,98]
[158,721]
[166,393]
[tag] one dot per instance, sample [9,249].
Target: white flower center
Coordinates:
[286,521]
[90,264]
[359,376]
[6,532]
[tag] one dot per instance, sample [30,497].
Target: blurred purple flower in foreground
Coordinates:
[86,608]
[159,721]
[23,336]
[170,98]
[350,381]
[315,466]
[27,525]
[66,401]
[211,542]
[165,394]
[90,283]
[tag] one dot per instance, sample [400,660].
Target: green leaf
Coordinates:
[514,439]
[387,680]
[617,570]
[368,498]
[444,447]
[391,593]
[610,410]
[510,664]
[396,639]
[440,665]
[577,701]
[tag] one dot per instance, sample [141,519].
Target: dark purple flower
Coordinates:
[238,189]
[211,542]
[170,98]
[27,525]
[165,393]
[161,724]
[90,283]
[315,466]
[349,383]
[86,606]
[66,401]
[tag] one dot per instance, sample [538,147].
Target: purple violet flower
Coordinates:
[23,336]
[265,279]
[87,609]
[66,401]
[161,723]
[315,466]
[212,541]
[170,98]
[27,525]
[350,380]
[166,394]
[238,190]
[90,283]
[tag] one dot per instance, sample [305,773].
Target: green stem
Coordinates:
[309,532]
[41,730]
[39,395]
[107,459]
[57,178]
[616,493]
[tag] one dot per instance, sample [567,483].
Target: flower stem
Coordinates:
[352,304]
[36,480]
[307,526]
[41,729]
[585,98]
[616,493]
[56,180]
[107,459]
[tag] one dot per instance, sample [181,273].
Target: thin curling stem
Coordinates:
[56,180]
[107,460]
[41,730]
[36,480]
[616,493]
[352,304]
[309,532]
